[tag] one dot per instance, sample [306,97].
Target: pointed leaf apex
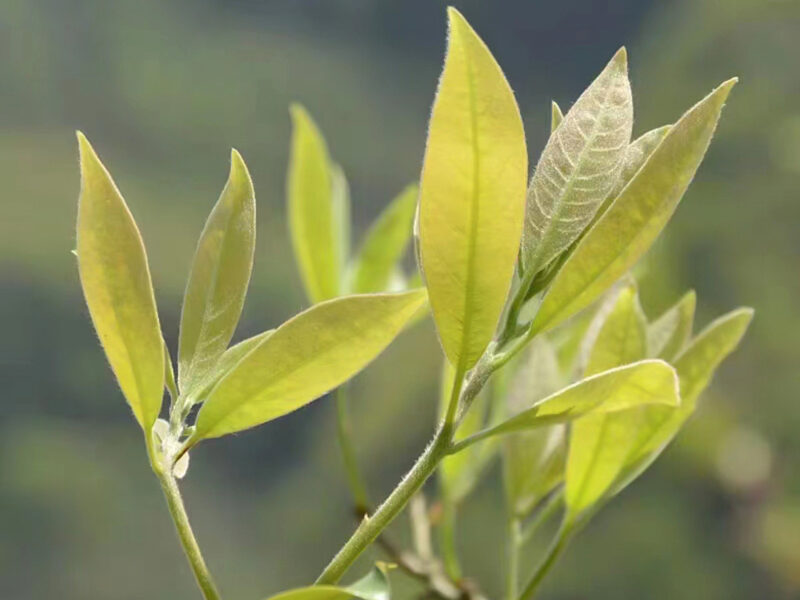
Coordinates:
[85,149]
[239,173]
[297,111]
[620,59]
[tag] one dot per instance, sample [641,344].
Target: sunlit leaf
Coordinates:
[314,224]
[622,388]
[472,194]
[533,461]
[303,359]
[599,443]
[695,366]
[636,217]
[226,362]
[218,279]
[579,165]
[385,243]
[340,202]
[669,333]
[118,290]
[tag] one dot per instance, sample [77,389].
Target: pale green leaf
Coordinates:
[599,443]
[169,375]
[373,586]
[304,358]
[669,333]
[533,461]
[340,201]
[634,220]
[119,293]
[385,243]
[622,388]
[579,165]
[556,116]
[635,156]
[472,196]
[313,222]
[218,279]
[695,366]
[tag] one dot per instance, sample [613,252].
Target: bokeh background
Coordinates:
[164,89]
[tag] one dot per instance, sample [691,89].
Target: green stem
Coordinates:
[344,433]
[546,511]
[553,554]
[177,511]
[447,539]
[372,526]
[514,542]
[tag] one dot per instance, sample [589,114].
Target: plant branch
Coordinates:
[355,479]
[177,511]
[553,554]
[514,542]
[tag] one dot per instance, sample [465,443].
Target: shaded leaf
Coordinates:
[340,201]
[471,196]
[303,359]
[636,217]
[695,366]
[556,116]
[314,224]
[600,443]
[385,244]
[636,155]
[533,461]
[668,334]
[119,293]
[579,165]
[218,279]
[374,586]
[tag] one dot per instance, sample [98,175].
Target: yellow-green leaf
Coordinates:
[633,221]
[533,461]
[645,382]
[695,366]
[385,244]
[118,290]
[312,219]
[556,116]
[472,195]
[218,279]
[599,443]
[303,359]
[635,156]
[373,586]
[669,333]
[340,200]
[579,165]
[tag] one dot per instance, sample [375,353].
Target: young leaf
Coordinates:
[599,443]
[218,279]
[385,243]
[169,375]
[533,461]
[303,359]
[116,284]
[373,586]
[556,116]
[340,201]
[635,156]
[471,196]
[312,222]
[636,217]
[579,165]
[226,362]
[667,335]
[695,366]
[622,388]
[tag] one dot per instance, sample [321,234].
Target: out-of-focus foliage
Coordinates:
[166,87]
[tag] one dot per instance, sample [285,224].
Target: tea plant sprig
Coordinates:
[528,285]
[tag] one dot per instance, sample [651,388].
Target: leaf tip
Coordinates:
[239,173]
[620,59]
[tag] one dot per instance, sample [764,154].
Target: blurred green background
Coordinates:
[164,89]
